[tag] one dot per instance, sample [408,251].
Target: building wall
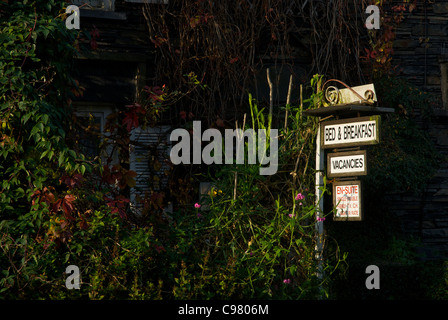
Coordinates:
[421,52]
[121,64]
[422,44]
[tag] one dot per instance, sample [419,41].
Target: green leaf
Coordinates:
[20,192]
[33,131]
[44,154]
[25,118]
[61,158]
[45,33]
[45,119]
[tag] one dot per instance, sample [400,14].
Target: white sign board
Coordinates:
[347,200]
[346,164]
[350,132]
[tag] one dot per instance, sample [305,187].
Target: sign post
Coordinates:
[319,225]
[357,124]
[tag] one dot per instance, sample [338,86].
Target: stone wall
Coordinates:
[425,216]
[421,52]
[422,43]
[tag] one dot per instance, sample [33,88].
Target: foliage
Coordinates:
[257,243]
[247,39]
[379,53]
[33,108]
[218,43]
[49,189]
[406,157]
[252,236]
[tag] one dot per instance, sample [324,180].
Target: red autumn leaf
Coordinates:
[117,205]
[73,181]
[95,32]
[47,196]
[159,248]
[93,44]
[158,41]
[35,197]
[233,60]
[66,205]
[157,90]
[107,176]
[83,224]
[206,16]
[371,54]
[44,196]
[220,123]
[130,120]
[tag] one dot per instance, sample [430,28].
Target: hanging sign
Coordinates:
[347,200]
[350,132]
[346,164]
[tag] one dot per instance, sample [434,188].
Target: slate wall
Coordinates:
[420,50]
[421,43]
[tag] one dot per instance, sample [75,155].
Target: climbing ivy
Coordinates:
[36,53]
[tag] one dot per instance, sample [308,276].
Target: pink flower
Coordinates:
[287,281]
[291,215]
[320,219]
[300,203]
[197,205]
[300,196]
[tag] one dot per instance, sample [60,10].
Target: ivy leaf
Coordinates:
[131,120]
[25,118]
[61,158]
[44,154]
[45,33]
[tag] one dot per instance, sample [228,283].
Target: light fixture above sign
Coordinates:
[364,95]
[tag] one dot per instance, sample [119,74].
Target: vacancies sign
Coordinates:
[347,164]
[350,132]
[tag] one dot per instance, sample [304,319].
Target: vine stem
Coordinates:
[288,99]
[29,36]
